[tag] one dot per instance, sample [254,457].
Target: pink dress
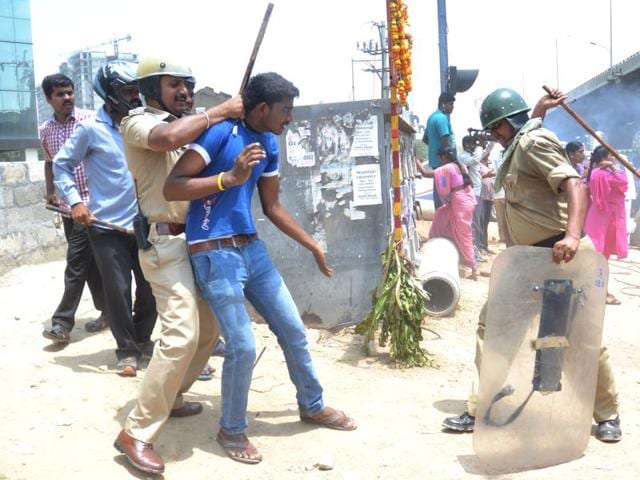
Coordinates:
[453,219]
[605,222]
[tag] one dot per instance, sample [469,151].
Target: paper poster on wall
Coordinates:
[365,138]
[299,148]
[366,184]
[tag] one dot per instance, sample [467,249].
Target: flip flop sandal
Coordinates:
[233,448]
[337,420]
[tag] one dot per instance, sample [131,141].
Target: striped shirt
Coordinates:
[54,134]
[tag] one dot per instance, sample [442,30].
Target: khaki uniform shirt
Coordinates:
[536,209]
[150,169]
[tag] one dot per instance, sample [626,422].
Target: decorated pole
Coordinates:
[400,85]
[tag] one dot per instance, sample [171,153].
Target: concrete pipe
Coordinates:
[438,273]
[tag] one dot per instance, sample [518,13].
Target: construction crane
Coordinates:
[114,42]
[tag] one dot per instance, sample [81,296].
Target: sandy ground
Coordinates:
[62,408]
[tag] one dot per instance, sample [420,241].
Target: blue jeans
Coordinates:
[225,277]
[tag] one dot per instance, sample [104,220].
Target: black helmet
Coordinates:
[110,78]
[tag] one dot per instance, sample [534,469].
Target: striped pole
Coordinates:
[395,142]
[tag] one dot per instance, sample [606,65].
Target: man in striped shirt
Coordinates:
[81,267]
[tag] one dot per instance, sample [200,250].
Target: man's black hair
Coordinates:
[269,88]
[55,80]
[573,147]
[446,97]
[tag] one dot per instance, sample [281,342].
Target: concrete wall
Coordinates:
[27,232]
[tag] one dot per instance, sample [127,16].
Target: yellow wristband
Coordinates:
[220,186]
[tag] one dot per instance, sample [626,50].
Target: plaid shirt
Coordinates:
[53,134]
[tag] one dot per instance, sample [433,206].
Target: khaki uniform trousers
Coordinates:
[501,218]
[606,403]
[188,335]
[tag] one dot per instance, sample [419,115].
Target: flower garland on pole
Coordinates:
[400,45]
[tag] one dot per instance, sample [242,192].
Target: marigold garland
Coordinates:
[401,47]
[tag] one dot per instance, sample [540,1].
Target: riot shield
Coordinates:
[540,358]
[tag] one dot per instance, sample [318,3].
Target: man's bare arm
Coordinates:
[171,135]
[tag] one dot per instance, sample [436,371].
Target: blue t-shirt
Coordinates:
[438,125]
[229,212]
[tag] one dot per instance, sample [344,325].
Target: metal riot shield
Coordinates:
[540,358]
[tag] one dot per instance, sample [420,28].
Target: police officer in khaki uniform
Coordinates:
[545,207]
[154,137]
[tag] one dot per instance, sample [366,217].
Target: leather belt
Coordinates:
[169,228]
[237,241]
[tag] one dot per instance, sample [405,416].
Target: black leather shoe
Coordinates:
[97,325]
[463,423]
[609,431]
[139,454]
[57,333]
[186,410]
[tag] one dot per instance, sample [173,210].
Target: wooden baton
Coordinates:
[256,47]
[94,221]
[593,133]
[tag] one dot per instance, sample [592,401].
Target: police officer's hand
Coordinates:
[321,261]
[242,167]
[81,214]
[564,250]
[232,108]
[548,102]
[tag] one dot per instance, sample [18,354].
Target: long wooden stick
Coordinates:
[94,221]
[593,133]
[256,47]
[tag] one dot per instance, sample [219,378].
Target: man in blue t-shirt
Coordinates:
[219,173]
[438,134]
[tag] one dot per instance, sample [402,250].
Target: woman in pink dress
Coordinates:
[605,222]
[453,219]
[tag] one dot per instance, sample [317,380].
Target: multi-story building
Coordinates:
[18,120]
[81,67]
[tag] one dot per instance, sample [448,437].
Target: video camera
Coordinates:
[480,137]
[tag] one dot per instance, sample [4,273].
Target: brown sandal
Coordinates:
[331,418]
[242,450]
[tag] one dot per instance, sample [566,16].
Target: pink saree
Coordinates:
[453,219]
[605,222]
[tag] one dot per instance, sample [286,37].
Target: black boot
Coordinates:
[57,333]
[463,423]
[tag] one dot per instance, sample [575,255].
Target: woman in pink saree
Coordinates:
[453,219]
[605,222]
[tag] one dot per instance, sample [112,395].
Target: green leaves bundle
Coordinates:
[399,305]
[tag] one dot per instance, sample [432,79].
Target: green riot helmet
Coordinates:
[499,104]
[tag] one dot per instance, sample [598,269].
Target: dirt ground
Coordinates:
[61,409]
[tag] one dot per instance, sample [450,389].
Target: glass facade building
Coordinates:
[18,119]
